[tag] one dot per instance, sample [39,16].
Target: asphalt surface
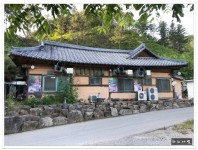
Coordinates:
[90,132]
[160,137]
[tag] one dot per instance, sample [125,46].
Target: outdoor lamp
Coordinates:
[32,66]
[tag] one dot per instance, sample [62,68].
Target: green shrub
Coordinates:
[48,100]
[33,102]
[10,99]
[67,90]
[10,102]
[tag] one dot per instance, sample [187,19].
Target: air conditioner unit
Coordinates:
[93,98]
[119,71]
[122,71]
[141,96]
[58,67]
[152,94]
[116,72]
[140,72]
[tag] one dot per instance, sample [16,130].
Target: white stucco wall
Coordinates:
[190,88]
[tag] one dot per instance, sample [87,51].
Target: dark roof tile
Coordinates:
[55,51]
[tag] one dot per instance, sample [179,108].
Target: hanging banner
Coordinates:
[113,85]
[34,84]
[137,86]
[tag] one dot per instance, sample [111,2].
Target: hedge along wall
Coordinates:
[24,118]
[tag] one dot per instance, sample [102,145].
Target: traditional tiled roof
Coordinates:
[55,51]
[139,49]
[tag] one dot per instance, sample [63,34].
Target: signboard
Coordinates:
[34,84]
[113,85]
[137,86]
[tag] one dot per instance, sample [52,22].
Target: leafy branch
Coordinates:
[22,17]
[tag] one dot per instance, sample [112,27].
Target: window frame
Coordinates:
[43,83]
[149,83]
[89,72]
[158,86]
[98,77]
[124,82]
[62,85]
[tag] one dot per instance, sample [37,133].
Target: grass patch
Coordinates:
[185,127]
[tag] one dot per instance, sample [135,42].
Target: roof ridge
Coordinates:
[14,47]
[177,60]
[25,48]
[86,47]
[146,57]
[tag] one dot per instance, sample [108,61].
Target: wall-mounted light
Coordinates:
[32,66]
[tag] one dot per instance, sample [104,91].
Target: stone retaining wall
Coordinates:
[25,118]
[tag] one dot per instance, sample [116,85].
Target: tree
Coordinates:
[61,26]
[77,25]
[142,27]
[177,37]
[22,16]
[190,43]
[180,38]
[163,31]
[172,35]
[118,35]
[10,69]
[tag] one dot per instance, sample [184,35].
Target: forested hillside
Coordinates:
[78,29]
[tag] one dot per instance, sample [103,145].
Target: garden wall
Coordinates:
[24,118]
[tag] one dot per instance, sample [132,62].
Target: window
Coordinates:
[163,84]
[62,82]
[89,72]
[77,71]
[49,84]
[125,85]
[86,71]
[95,81]
[82,71]
[147,81]
[98,72]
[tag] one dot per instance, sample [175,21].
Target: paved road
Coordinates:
[85,133]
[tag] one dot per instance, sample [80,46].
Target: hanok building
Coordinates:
[116,74]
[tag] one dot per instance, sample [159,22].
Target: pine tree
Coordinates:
[172,35]
[163,31]
[181,38]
